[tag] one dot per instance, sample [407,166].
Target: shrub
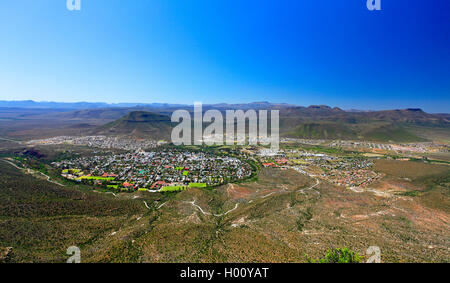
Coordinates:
[339,256]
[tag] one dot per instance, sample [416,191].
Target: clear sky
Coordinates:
[333,52]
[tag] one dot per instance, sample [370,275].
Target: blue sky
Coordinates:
[177,51]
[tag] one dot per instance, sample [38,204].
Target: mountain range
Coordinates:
[153,120]
[314,122]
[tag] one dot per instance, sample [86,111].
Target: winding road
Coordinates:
[208,213]
[310,188]
[146,205]
[34,172]
[5,139]
[237,204]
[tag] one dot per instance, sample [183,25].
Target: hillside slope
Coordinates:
[138,124]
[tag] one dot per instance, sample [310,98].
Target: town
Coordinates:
[149,166]
[339,170]
[100,142]
[159,170]
[423,147]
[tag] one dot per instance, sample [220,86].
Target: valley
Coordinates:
[122,196]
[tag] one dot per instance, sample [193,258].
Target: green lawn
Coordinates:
[172,188]
[197,185]
[96,178]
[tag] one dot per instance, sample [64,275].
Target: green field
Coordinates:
[173,189]
[73,171]
[197,185]
[96,178]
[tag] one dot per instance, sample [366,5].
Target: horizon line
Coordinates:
[212,104]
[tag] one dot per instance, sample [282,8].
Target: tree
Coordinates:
[339,256]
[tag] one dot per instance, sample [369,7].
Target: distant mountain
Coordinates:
[323,122]
[50,105]
[97,113]
[30,104]
[264,105]
[313,122]
[138,124]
